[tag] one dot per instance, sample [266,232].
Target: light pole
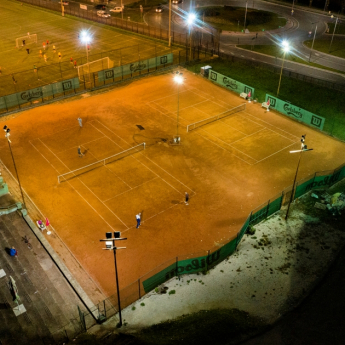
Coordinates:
[169,23]
[336,22]
[7,136]
[190,21]
[86,39]
[178,79]
[62,9]
[292,10]
[312,45]
[303,149]
[110,245]
[286,48]
[245,17]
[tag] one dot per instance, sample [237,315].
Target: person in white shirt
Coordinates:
[138,217]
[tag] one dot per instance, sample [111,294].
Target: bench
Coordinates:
[265,105]
[243,95]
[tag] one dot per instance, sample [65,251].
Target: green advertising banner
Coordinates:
[295,112]
[60,87]
[141,65]
[230,84]
[38,93]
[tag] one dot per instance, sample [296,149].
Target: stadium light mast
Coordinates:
[110,245]
[303,149]
[7,136]
[286,49]
[86,39]
[190,21]
[178,79]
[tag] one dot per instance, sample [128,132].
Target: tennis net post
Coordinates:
[220,116]
[100,163]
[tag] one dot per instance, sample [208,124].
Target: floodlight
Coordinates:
[191,18]
[178,78]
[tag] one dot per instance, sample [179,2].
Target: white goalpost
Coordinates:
[29,39]
[85,70]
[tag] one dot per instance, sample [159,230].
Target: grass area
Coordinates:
[323,45]
[276,51]
[339,30]
[316,99]
[230,18]
[120,46]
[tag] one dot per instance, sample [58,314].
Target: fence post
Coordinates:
[177,268]
[208,254]
[267,208]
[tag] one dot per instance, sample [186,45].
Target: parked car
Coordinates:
[176,2]
[159,8]
[117,9]
[103,14]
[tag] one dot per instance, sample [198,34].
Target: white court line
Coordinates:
[155,164]
[88,142]
[273,126]
[131,189]
[170,94]
[275,153]
[138,160]
[248,135]
[79,193]
[155,215]
[230,145]
[64,130]
[269,124]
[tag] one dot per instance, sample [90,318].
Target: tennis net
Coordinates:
[220,116]
[71,174]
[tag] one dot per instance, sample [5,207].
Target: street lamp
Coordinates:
[190,21]
[303,149]
[110,245]
[86,38]
[312,45]
[178,79]
[7,136]
[245,17]
[336,22]
[286,48]
[292,10]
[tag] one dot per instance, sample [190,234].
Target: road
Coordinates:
[296,32]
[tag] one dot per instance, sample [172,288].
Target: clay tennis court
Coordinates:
[228,167]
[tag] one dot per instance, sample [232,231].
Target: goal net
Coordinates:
[29,39]
[84,71]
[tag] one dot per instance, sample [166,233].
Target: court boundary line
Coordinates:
[152,162]
[77,190]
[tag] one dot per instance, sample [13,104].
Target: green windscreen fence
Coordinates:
[295,112]
[230,84]
[159,278]
[130,68]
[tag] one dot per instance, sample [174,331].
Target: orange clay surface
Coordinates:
[229,168]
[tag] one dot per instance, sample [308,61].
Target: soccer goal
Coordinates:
[84,71]
[29,39]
